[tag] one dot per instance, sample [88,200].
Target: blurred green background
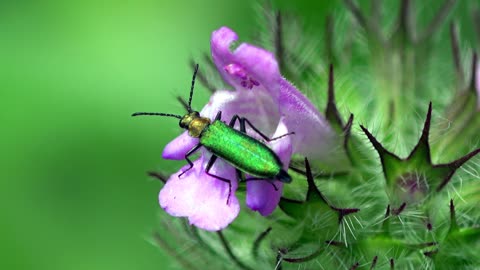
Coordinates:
[73,190]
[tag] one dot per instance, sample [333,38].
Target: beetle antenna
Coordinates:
[158,114]
[189,107]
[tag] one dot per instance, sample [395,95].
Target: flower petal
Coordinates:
[313,135]
[247,67]
[283,146]
[258,107]
[261,194]
[178,147]
[200,197]
[220,43]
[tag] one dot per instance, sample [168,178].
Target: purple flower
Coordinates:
[274,106]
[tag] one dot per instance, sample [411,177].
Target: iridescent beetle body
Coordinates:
[243,152]
[248,155]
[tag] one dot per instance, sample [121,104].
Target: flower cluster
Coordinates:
[273,105]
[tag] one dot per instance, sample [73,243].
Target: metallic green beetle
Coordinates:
[246,154]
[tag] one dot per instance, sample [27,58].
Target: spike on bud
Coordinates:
[399,210]
[331,112]
[422,150]
[374,262]
[429,226]
[313,194]
[475,80]
[355,266]
[453,218]
[431,253]
[413,178]
[334,243]
[386,221]
[315,209]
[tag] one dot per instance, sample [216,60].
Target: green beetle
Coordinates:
[247,154]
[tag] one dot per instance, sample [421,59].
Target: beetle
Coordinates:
[245,153]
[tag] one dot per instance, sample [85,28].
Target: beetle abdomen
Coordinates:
[241,151]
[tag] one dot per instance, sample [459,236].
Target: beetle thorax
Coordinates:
[194,123]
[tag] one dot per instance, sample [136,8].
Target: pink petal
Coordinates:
[256,106]
[220,43]
[259,63]
[177,148]
[283,146]
[219,101]
[247,67]
[261,194]
[313,135]
[200,197]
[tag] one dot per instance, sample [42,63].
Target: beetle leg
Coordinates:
[207,171]
[240,175]
[189,153]
[218,116]
[243,129]
[262,179]
[234,120]
[244,120]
